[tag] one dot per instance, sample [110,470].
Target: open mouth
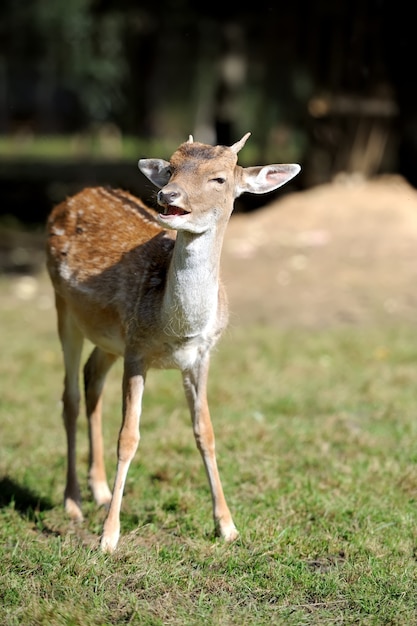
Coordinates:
[170,209]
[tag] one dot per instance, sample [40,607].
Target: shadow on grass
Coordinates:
[25,501]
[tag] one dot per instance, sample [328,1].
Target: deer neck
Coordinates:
[192,289]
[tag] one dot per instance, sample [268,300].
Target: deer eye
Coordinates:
[220,180]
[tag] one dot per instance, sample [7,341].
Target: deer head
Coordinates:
[200,183]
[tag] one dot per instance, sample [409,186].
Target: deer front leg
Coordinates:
[195,386]
[95,371]
[133,385]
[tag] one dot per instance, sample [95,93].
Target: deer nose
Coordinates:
[166,196]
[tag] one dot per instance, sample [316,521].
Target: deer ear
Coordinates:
[157,170]
[265,178]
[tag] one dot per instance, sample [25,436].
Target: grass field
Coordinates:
[101,143]
[317,447]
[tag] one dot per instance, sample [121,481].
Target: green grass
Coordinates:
[93,145]
[317,447]
[98,145]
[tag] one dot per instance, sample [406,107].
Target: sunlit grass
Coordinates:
[97,145]
[105,143]
[316,441]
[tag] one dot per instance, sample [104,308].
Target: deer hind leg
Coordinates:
[133,385]
[72,342]
[95,372]
[195,387]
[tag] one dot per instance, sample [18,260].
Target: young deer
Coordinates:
[154,297]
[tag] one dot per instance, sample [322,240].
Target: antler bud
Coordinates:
[239,144]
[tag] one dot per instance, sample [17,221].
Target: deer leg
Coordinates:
[133,385]
[72,342]
[95,372]
[195,386]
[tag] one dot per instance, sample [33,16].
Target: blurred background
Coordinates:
[89,86]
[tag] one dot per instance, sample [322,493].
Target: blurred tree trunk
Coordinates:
[230,80]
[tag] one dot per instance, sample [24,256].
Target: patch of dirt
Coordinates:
[338,253]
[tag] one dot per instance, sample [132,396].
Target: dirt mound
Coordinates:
[338,253]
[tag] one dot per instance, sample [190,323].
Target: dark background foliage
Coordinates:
[327,84]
